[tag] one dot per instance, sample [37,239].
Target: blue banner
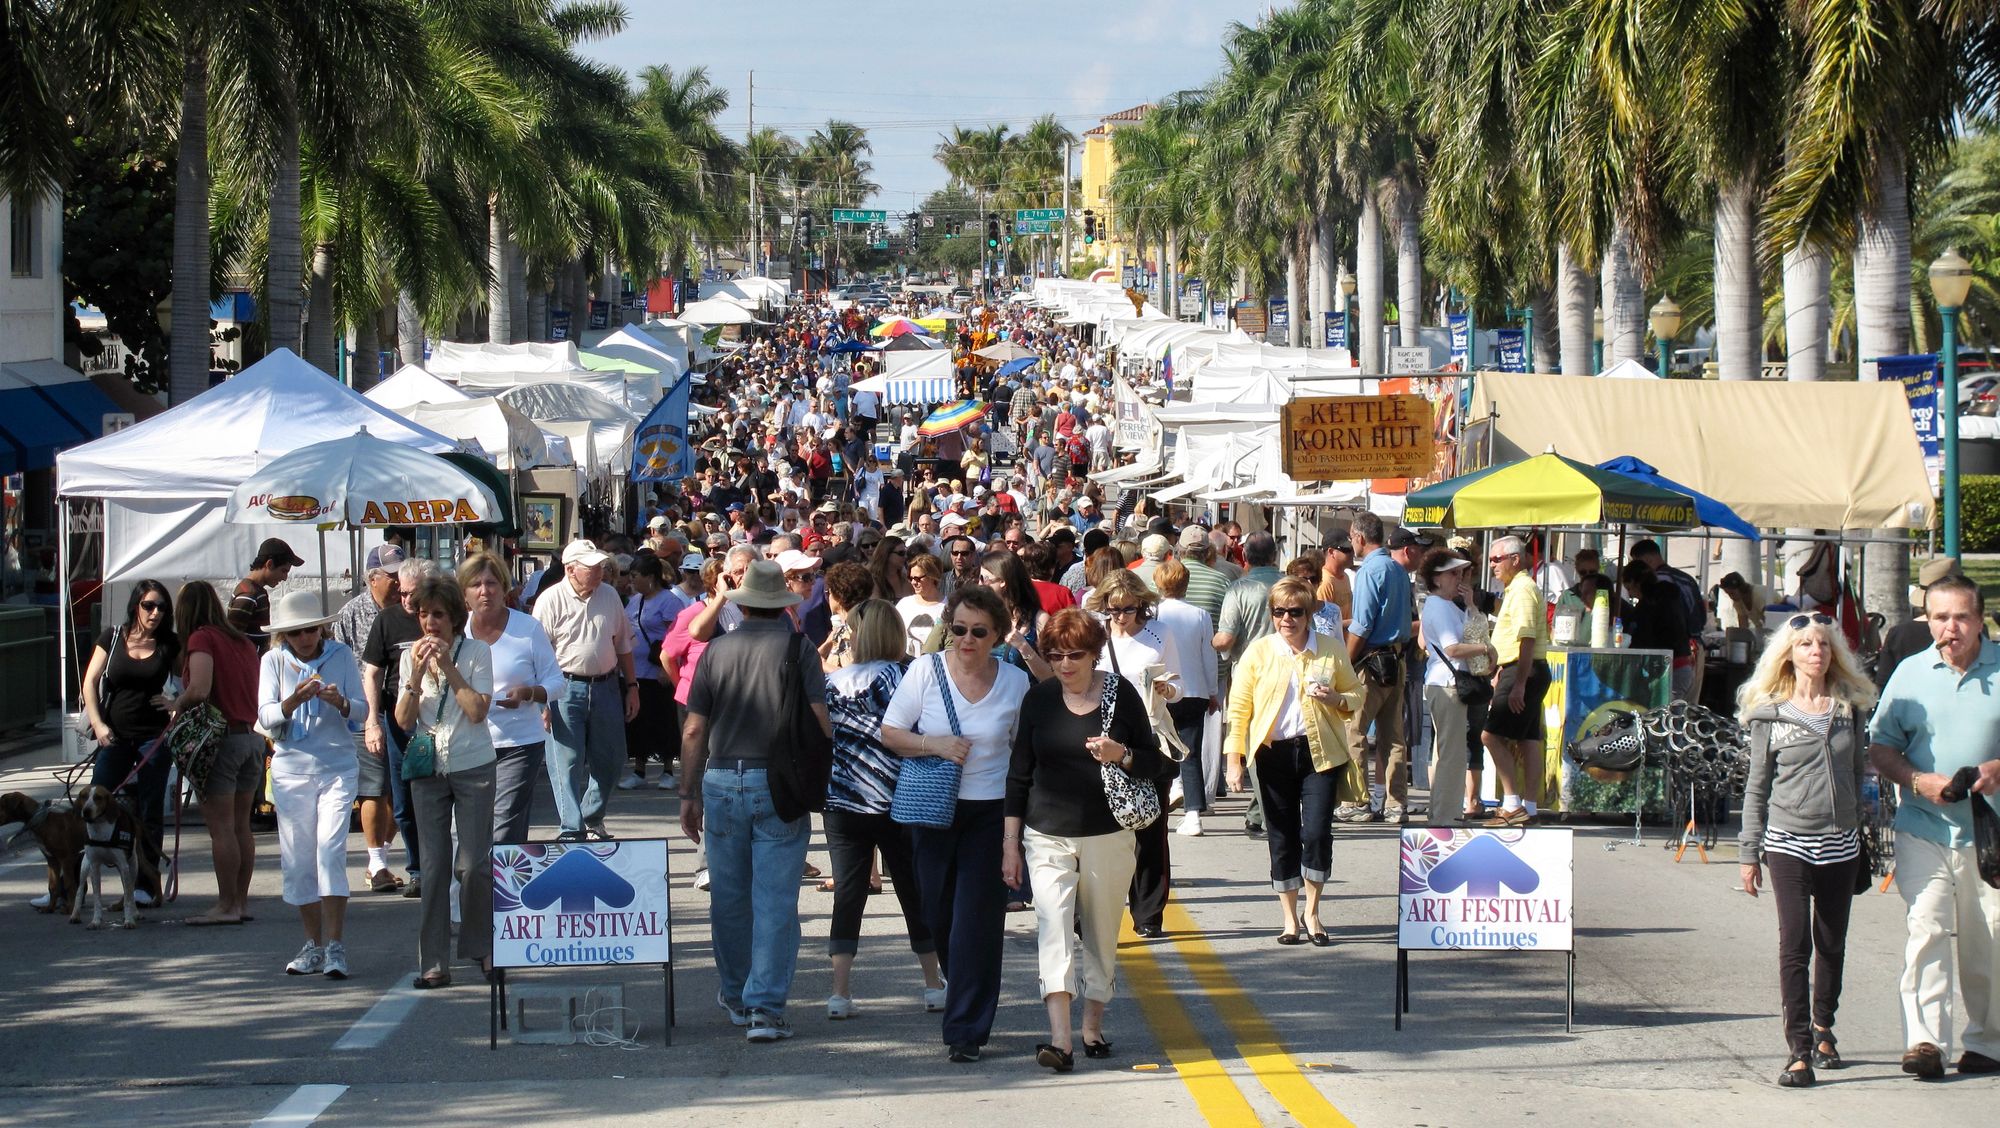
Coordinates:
[1461,340]
[1513,348]
[1922,384]
[660,449]
[559,325]
[1336,330]
[1218,311]
[1281,313]
[1194,291]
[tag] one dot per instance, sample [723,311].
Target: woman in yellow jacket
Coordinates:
[1292,692]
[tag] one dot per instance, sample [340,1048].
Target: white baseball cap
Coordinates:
[585,553]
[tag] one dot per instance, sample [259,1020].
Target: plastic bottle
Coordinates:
[1569,618]
[1600,621]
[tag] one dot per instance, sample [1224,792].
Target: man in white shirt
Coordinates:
[593,643]
[1099,437]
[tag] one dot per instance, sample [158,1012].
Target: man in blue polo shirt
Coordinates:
[1941,712]
[1382,619]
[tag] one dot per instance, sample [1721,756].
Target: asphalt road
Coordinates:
[1676,1015]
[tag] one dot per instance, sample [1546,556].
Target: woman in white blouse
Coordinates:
[525,676]
[1139,655]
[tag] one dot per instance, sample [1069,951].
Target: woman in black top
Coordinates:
[1654,618]
[124,697]
[1060,833]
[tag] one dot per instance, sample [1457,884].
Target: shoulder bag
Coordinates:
[802,769]
[1470,688]
[420,755]
[1134,803]
[927,786]
[195,740]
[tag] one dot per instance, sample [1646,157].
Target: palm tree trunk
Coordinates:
[538,310]
[1316,302]
[499,309]
[1368,272]
[409,329]
[517,293]
[1739,302]
[1329,264]
[285,254]
[1170,261]
[1409,264]
[364,362]
[1573,300]
[1547,332]
[187,356]
[1292,296]
[1624,301]
[1808,310]
[1882,328]
[321,330]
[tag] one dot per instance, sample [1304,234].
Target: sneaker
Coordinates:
[144,899]
[737,1015]
[1394,815]
[768,1028]
[336,960]
[962,1053]
[598,833]
[41,902]
[571,836]
[839,1006]
[415,888]
[933,1000]
[1353,813]
[667,782]
[1190,824]
[309,961]
[1174,796]
[701,879]
[630,781]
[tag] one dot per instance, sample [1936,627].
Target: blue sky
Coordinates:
[907,72]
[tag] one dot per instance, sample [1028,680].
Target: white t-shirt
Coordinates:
[521,656]
[918,706]
[918,619]
[865,404]
[1444,625]
[1136,655]
[1186,631]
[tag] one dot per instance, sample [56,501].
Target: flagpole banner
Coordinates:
[577,904]
[660,449]
[1461,340]
[1485,890]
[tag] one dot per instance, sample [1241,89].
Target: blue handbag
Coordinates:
[927,786]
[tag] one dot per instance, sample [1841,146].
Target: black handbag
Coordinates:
[1986,839]
[1470,688]
[1382,666]
[802,769]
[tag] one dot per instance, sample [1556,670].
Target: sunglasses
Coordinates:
[1287,612]
[1055,656]
[1121,610]
[1800,622]
[960,630]
[151,605]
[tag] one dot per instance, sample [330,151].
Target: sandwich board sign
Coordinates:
[1470,890]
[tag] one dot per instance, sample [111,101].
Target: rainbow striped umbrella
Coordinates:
[951,417]
[896,327]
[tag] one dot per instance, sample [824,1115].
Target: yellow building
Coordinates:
[1099,163]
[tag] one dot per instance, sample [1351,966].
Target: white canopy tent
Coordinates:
[412,385]
[1628,369]
[634,392]
[575,411]
[718,311]
[451,358]
[508,436]
[629,343]
[913,378]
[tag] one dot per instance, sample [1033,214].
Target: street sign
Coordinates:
[1405,360]
[1345,438]
[1047,215]
[1036,226]
[930,221]
[849,215]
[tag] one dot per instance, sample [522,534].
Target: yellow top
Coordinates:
[1266,670]
[1522,615]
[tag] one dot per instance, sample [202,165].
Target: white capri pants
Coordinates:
[313,813]
[1079,879]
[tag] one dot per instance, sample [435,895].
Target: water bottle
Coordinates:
[1871,796]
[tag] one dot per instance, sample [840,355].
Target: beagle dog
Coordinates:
[113,838]
[58,830]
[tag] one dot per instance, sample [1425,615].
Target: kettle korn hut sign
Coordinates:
[1345,438]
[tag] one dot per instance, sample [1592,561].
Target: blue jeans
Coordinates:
[754,861]
[119,761]
[393,739]
[1189,715]
[586,749]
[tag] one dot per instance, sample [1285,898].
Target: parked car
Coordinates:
[1977,392]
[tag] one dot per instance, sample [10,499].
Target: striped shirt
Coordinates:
[1813,849]
[864,772]
[1205,587]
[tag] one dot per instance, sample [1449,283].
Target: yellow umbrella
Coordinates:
[1547,489]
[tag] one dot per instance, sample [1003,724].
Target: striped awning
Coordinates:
[921,389]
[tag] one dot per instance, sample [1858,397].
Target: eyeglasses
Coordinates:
[1502,556]
[1799,622]
[1055,656]
[960,630]
[920,577]
[961,552]
[1287,612]
[151,605]
[1121,610]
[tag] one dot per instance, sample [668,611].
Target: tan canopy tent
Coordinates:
[1781,454]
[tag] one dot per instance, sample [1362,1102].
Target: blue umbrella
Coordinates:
[1021,365]
[1707,510]
[852,347]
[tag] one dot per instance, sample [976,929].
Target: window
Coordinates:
[23,233]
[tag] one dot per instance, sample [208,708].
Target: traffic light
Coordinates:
[1089,227]
[805,226]
[992,231]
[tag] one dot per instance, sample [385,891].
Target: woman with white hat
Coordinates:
[308,689]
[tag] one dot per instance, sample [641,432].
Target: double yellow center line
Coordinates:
[1221,1102]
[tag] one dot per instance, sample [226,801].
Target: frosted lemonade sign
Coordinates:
[1485,890]
[576,904]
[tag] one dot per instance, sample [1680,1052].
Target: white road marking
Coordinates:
[302,1107]
[372,1029]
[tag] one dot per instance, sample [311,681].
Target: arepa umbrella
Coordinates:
[951,417]
[1547,489]
[1707,510]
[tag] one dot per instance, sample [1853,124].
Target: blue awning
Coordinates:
[37,420]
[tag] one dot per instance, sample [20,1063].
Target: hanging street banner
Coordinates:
[660,448]
[1336,330]
[1218,311]
[1281,313]
[1194,292]
[600,314]
[559,325]
[1485,890]
[578,904]
[1461,340]
[1348,438]
[1512,345]
[1922,383]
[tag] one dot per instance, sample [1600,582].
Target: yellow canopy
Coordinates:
[1832,455]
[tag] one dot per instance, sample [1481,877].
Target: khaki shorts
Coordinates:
[239,766]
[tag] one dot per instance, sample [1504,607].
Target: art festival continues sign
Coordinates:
[1485,890]
[1347,438]
[580,904]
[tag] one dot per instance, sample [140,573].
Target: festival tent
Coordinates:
[752,292]
[412,385]
[718,311]
[913,378]
[451,358]
[629,344]
[508,437]
[1809,454]
[1628,369]
[577,412]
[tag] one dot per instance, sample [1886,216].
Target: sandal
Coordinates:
[1289,938]
[430,982]
[1062,1061]
[1797,1078]
[1828,1058]
[1096,1049]
[1316,932]
[826,886]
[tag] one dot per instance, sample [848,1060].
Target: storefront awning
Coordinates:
[46,407]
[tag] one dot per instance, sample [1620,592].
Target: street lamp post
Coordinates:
[1596,341]
[1527,316]
[1951,280]
[1666,321]
[1347,287]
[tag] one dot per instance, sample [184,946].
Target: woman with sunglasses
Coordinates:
[923,608]
[308,689]
[124,697]
[962,705]
[1288,702]
[1803,705]
[1061,836]
[1137,653]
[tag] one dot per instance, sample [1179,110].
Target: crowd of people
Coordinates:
[1021,677]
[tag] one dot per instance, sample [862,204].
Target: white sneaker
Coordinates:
[767,1028]
[630,781]
[667,782]
[144,900]
[1190,824]
[335,963]
[310,960]
[933,999]
[41,902]
[737,1015]
[839,1006]
[701,879]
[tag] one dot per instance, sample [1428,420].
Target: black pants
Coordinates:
[965,904]
[147,792]
[1298,813]
[1813,904]
[852,839]
[653,733]
[1153,875]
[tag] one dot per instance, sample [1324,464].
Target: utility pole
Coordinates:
[1064,272]
[756,213]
